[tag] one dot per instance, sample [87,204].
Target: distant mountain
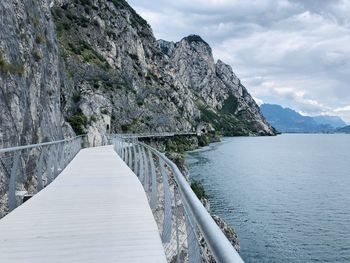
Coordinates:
[334,121]
[345,129]
[288,120]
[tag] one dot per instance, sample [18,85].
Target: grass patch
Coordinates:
[6,67]
[39,39]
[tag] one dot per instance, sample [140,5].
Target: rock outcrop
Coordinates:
[219,95]
[124,80]
[96,65]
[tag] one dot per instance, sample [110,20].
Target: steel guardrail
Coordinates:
[26,170]
[24,147]
[219,245]
[161,184]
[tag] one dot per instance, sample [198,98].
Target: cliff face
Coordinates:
[96,65]
[120,78]
[231,109]
[30,78]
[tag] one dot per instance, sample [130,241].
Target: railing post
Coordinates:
[141,173]
[50,168]
[123,150]
[12,202]
[126,152]
[177,226]
[135,155]
[40,169]
[130,154]
[120,148]
[166,233]
[137,158]
[146,173]
[117,146]
[154,186]
[55,161]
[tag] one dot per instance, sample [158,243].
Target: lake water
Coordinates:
[288,197]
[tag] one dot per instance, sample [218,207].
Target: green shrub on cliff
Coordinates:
[198,189]
[203,140]
[78,122]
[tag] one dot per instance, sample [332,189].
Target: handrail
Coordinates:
[217,241]
[52,157]
[174,206]
[159,134]
[24,147]
[42,161]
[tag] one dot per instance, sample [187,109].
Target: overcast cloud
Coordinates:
[291,52]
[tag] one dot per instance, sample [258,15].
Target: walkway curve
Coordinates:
[95,211]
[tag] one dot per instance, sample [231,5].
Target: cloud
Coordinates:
[258,101]
[343,109]
[292,52]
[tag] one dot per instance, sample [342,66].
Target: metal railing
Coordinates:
[158,134]
[25,170]
[188,232]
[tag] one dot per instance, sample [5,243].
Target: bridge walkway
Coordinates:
[96,210]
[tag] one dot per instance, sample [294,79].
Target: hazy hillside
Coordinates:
[288,120]
[334,121]
[345,129]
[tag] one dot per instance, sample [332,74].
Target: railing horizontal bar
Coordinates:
[19,148]
[152,135]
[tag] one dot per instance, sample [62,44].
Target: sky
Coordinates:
[295,53]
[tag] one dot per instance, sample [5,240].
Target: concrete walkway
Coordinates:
[95,211]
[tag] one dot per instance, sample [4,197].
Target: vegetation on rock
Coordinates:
[6,67]
[78,122]
[198,189]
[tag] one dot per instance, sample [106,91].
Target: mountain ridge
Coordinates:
[288,120]
[345,129]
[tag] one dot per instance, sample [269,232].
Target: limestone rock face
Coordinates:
[30,79]
[231,108]
[147,85]
[117,68]
[96,65]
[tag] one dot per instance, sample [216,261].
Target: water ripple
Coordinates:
[288,197]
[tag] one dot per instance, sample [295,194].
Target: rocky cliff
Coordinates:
[96,65]
[30,75]
[218,94]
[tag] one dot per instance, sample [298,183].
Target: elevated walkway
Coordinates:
[96,210]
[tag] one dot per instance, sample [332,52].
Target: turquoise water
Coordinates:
[288,197]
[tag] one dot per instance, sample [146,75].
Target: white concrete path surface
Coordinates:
[95,211]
